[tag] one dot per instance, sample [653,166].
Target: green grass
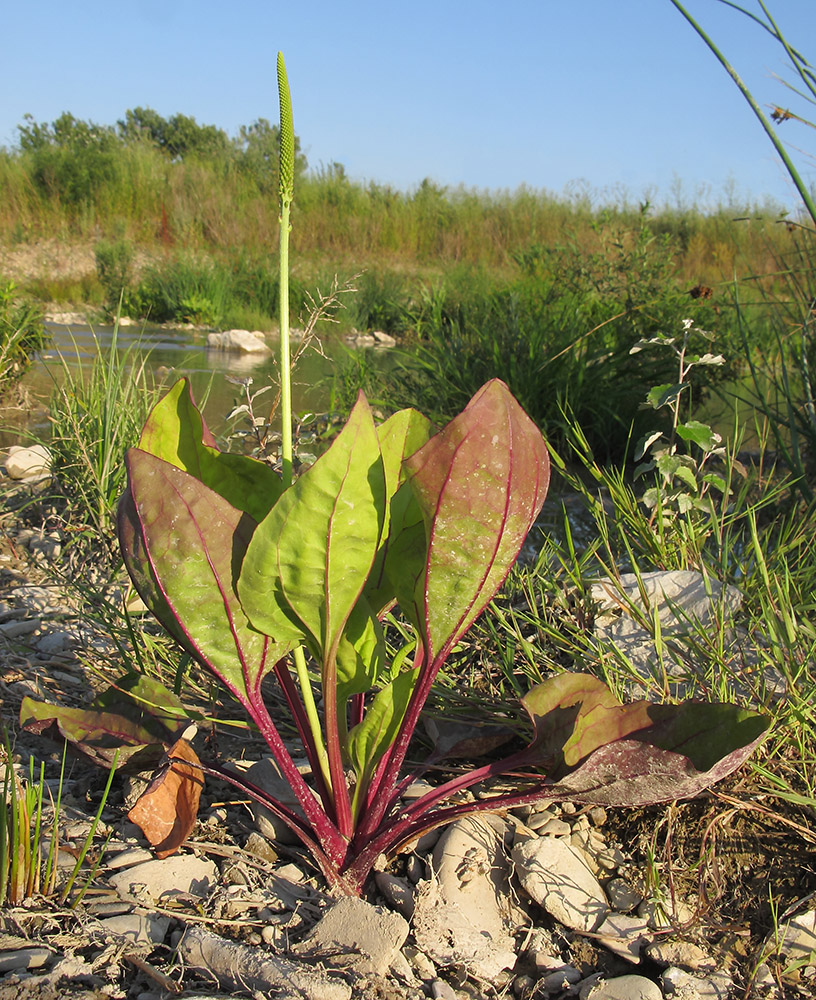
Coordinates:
[96,414]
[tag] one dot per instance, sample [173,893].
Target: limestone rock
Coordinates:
[356,935]
[463,913]
[28,463]
[622,988]
[557,877]
[183,874]
[239,340]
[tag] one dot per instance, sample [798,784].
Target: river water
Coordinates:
[180,352]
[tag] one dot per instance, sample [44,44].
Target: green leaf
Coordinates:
[686,475]
[370,739]
[663,395]
[175,432]
[645,443]
[705,359]
[360,652]
[700,434]
[480,483]
[309,559]
[195,542]
[400,436]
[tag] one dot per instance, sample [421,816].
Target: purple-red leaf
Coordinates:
[633,754]
[193,542]
[480,483]
[94,735]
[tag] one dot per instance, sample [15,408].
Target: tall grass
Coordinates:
[96,414]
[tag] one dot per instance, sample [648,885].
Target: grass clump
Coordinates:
[22,334]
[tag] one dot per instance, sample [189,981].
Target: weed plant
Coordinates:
[22,334]
[95,412]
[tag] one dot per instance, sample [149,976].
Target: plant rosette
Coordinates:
[243,573]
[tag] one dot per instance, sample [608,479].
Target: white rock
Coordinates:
[797,938]
[55,642]
[557,877]
[464,913]
[622,988]
[138,928]
[678,982]
[683,954]
[356,935]
[383,339]
[625,936]
[26,463]
[239,340]
[183,874]
[681,598]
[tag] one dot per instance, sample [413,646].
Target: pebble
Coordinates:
[687,987]
[552,827]
[797,938]
[622,896]
[19,959]
[558,878]
[622,988]
[442,990]
[625,936]
[128,857]
[397,892]
[665,914]
[561,979]
[415,868]
[420,962]
[180,873]
[683,954]
[138,928]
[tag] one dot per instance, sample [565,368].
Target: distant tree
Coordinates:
[70,158]
[179,136]
[258,147]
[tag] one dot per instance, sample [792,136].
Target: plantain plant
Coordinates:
[251,572]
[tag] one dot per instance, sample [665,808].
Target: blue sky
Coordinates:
[612,96]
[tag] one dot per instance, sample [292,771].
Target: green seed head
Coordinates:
[287,137]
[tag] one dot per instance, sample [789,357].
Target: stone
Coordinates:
[398,893]
[356,935]
[796,939]
[28,463]
[622,896]
[666,913]
[683,954]
[383,339]
[180,874]
[681,984]
[556,876]
[682,598]
[622,988]
[464,913]
[239,340]
[53,643]
[561,979]
[624,936]
[18,959]
[265,774]
[137,928]
[442,990]
[243,968]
